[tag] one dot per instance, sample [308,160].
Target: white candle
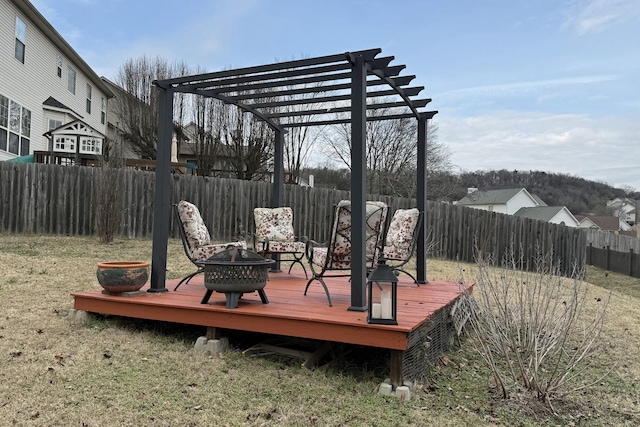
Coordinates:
[386,304]
[376,311]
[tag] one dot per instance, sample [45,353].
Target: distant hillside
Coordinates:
[581,196]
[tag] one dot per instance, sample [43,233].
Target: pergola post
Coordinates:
[162,199]
[358,183]
[277,189]
[421,199]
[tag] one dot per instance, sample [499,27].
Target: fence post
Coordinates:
[608,257]
[589,254]
[631,262]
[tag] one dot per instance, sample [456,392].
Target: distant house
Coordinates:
[553,214]
[507,201]
[603,222]
[623,208]
[51,101]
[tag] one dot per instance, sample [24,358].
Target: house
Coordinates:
[603,222]
[553,214]
[624,208]
[51,101]
[508,201]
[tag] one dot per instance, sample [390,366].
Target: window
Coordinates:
[4,111]
[14,117]
[21,39]
[90,145]
[54,124]
[24,146]
[14,143]
[15,127]
[490,208]
[26,123]
[59,66]
[64,143]
[89,98]
[103,114]
[72,80]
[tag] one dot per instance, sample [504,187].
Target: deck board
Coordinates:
[289,312]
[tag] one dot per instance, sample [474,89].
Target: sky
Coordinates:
[547,85]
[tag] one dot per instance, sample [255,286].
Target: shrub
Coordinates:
[536,330]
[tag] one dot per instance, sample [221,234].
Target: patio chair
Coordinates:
[274,234]
[401,238]
[196,239]
[334,260]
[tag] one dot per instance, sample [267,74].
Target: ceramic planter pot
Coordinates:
[122,276]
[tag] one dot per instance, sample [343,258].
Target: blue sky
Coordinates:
[551,85]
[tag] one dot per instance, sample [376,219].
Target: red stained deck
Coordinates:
[289,312]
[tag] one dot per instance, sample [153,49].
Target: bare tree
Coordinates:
[137,105]
[247,143]
[392,154]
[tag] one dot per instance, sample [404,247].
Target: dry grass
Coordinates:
[118,371]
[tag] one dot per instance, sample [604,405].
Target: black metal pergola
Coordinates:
[348,84]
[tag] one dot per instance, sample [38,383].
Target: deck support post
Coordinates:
[396,368]
[213,333]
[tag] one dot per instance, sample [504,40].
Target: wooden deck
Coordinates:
[289,312]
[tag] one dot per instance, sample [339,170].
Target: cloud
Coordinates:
[591,16]
[508,89]
[595,148]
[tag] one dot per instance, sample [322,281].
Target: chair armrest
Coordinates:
[308,248]
[261,246]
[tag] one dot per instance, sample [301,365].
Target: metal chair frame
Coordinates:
[330,260]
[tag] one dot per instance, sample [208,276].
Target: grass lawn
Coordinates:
[124,372]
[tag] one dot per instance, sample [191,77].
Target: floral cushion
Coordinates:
[197,233]
[400,236]
[207,251]
[319,258]
[376,213]
[286,247]
[275,224]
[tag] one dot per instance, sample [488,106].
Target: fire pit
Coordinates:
[235,272]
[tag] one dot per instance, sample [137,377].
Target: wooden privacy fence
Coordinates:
[620,262]
[613,252]
[54,199]
[457,231]
[616,242]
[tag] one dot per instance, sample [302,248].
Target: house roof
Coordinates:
[76,127]
[52,102]
[539,200]
[491,197]
[542,213]
[605,222]
[43,25]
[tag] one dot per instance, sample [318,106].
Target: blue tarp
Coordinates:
[22,159]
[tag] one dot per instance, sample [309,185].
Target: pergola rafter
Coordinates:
[320,91]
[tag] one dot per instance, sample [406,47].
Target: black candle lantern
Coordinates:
[383,295]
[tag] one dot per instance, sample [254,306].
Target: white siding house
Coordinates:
[553,214]
[44,84]
[507,201]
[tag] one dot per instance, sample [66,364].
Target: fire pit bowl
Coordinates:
[122,276]
[234,272]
